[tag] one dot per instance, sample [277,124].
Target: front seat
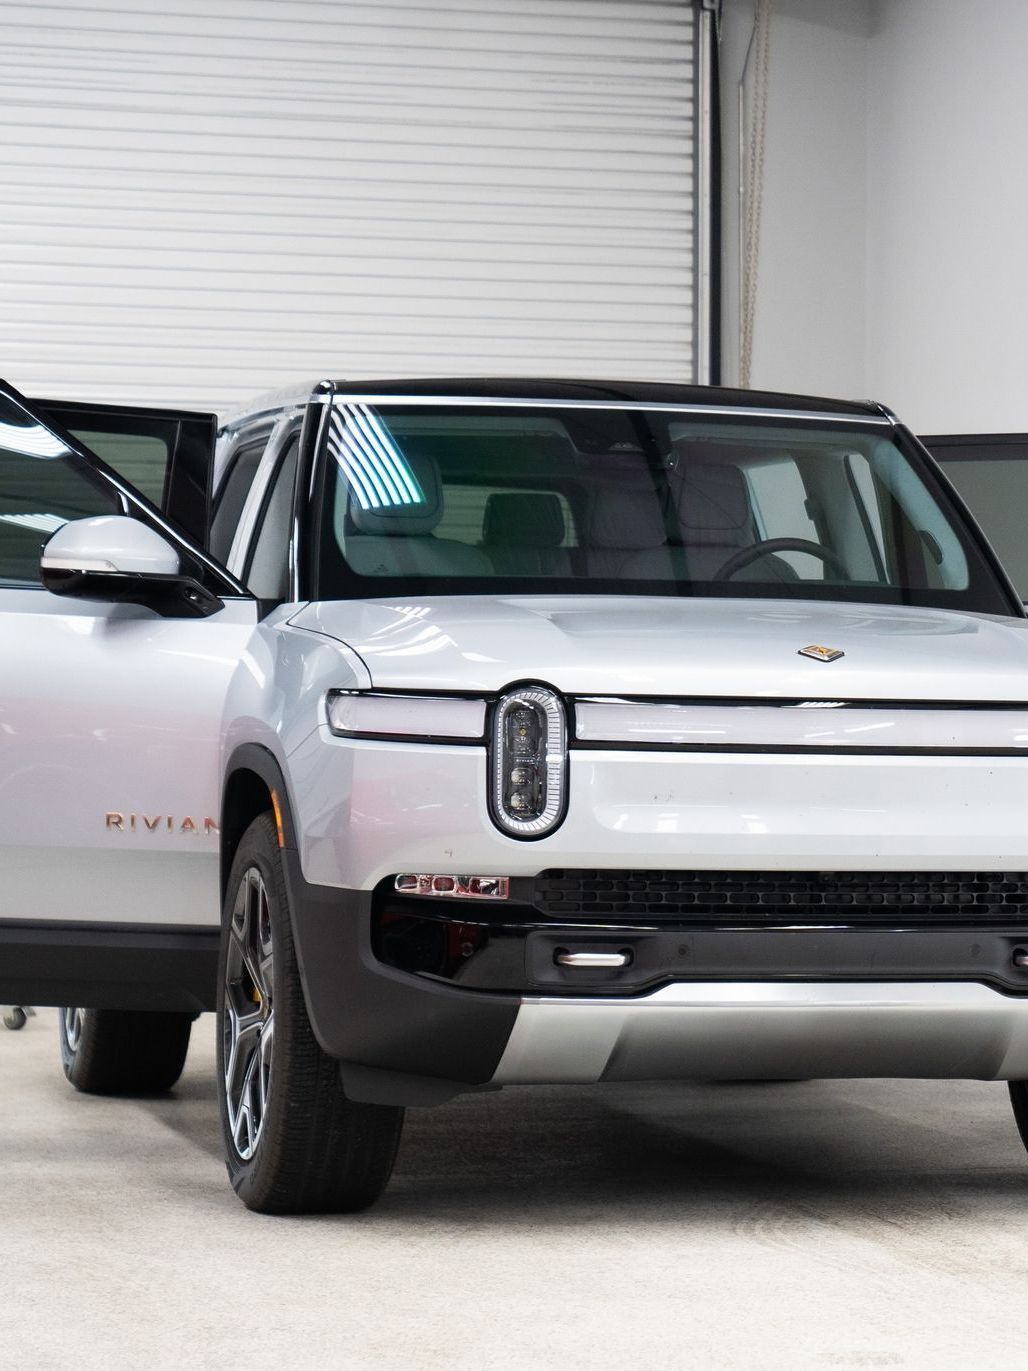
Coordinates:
[625,532]
[398,539]
[712,503]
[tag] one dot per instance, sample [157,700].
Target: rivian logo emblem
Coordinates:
[822,654]
[115,821]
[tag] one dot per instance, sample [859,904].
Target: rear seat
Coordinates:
[708,508]
[523,534]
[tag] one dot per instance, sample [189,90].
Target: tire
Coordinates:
[294,1143]
[123,1052]
[1019,1102]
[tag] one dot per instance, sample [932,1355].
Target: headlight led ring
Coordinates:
[528,762]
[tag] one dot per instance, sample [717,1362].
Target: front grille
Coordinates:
[789,896]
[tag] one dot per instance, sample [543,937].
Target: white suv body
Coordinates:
[516,732]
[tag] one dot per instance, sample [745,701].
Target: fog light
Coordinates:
[459,887]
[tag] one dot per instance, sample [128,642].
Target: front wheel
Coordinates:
[294,1143]
[123,1052]
[1019,1101]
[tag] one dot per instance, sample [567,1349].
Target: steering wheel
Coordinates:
[767,547]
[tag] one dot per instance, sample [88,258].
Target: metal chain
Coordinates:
[749,228]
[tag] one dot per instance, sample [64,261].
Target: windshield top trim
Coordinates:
[500,402]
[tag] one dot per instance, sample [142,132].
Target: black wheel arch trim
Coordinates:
[430,1040]
[383,1021]
[258,759]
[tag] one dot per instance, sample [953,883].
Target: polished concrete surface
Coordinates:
[829,1225]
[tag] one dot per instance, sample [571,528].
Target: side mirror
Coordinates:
[114,558]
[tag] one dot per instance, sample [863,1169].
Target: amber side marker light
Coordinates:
[279,825]
[459,887]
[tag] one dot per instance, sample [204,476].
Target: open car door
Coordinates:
[110,717]
[990,472]
[167,455]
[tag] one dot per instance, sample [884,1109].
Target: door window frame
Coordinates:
[189,435]
[213,575]
[277,438]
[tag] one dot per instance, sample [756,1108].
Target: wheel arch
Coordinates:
[254,784]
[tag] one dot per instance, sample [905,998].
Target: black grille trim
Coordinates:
[791,897]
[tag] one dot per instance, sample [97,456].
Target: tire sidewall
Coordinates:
[259,849]
[317,1152]
[69,1054]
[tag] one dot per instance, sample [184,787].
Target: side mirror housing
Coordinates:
[113,558]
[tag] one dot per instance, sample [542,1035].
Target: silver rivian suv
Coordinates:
[450,735]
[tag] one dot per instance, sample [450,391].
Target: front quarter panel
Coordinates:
[276,698]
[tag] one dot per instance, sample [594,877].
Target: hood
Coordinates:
[634,645]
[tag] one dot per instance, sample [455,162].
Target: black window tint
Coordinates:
[141,458]
[232,497]
[268,575]
[42,486]
[167,455]
[991,473]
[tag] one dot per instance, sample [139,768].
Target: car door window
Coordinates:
[42,486]
[268,574]
[232,496]
[141,458]
[165,455]
[991,473]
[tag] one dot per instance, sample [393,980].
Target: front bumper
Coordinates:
[384,1021]
[833,996]
[760,1030]
[746,1003]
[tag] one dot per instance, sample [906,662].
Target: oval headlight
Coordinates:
[528,762]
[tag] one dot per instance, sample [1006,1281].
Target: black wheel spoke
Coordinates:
[248,1025]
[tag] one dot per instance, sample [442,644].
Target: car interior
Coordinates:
[768,507]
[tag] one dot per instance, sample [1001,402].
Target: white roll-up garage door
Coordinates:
[203,199]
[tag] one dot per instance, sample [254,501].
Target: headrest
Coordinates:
[528,520]
[625,513]
[394,520]
[712,501]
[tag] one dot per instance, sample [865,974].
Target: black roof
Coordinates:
[633,392]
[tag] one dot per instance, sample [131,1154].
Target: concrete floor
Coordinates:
[828,1225]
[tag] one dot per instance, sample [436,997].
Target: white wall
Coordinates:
[947,318]
[895,226]
[810,321]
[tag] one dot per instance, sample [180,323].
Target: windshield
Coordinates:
[457,498]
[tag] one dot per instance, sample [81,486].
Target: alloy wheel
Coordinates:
[74,1019]
[248,1027]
